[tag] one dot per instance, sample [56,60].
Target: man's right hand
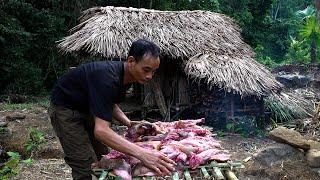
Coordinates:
[152,159]
[157,162]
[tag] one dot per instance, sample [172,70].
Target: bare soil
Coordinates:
[49,163]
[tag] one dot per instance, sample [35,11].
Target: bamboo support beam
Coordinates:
[175,176]
[230,165]
[103,175]
[187,175]
[218,174]
[205,173]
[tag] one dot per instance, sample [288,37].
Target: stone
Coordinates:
[288,136]
[3,123]
[313,158]
[15,116]
[314,144]
[275,154]
[294,80]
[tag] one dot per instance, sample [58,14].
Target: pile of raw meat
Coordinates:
[182,141]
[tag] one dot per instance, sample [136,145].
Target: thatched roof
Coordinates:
[209,44]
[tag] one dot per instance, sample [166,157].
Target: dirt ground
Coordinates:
[49,163]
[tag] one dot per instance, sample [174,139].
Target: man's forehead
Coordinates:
[149,61]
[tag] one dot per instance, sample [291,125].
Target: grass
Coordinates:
[43,102]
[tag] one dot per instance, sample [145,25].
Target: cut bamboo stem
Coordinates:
[230,175]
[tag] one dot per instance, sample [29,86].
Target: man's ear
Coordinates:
[131,60]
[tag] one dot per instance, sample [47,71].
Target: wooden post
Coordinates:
[155,86]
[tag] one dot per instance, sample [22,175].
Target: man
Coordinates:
[95,89]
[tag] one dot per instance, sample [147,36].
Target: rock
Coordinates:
[313,157]
[15,116]
[51,149]
[314,144]
[288,136]
[293,80]
[275,154]
[3,123]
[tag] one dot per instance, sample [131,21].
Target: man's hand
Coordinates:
[132,123]
[157,162]
[151,126]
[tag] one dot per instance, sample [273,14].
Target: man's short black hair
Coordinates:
[143,47]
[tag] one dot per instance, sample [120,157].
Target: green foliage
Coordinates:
[245,126]
[221,133]
[282,113]
[11,167]
[298,52]
[44,102]
[36,138]
[28,161]
[2,130]
[30,62]
[262,58]
[309,30]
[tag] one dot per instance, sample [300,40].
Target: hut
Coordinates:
[205,65]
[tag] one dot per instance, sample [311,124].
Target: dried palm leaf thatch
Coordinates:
[109,31]
[233,73]
[211,39]
[287,106]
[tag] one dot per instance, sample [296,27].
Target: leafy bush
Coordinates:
[36,138]
[298,52]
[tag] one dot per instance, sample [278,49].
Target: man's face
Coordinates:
[143,70]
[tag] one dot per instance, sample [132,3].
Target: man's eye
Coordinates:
[147,70]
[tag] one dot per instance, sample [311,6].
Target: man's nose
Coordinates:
[149,76]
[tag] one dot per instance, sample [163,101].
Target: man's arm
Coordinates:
[120,116]
[152,159]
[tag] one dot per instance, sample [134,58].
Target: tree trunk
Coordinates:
[317,4]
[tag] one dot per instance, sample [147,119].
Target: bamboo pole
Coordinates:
[230,175]
[175,176]
[218,174]
[205,173]
[103,175]
[187,175]
[226,165]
